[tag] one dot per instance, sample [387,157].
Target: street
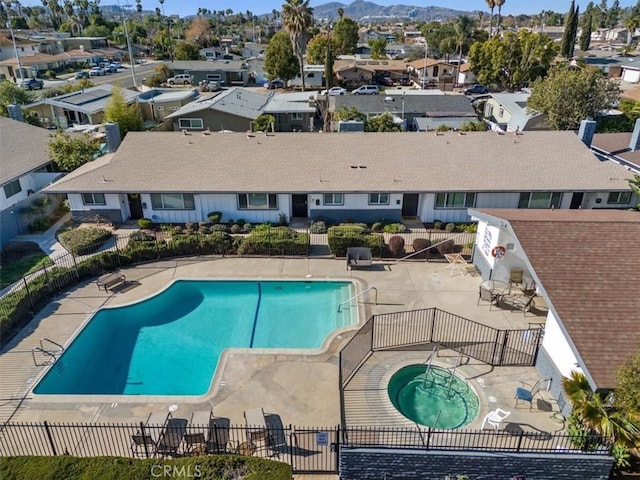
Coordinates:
[123,77]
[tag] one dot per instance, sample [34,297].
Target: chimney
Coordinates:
[15,112]
[634,144]
[587,129]
[112,132]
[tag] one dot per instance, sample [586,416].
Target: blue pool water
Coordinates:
[170,344]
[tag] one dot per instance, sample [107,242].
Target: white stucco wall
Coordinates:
[32,181]
[355,201]
[558,347]
[76,205]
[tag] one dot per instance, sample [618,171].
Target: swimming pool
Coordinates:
[170,344]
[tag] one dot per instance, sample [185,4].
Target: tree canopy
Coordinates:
[187,51]
[627,395]
[69,153]
[127,117]
[345,35]
[279,59]
[568,43]
[297,18]
[378,48]
[263,123]
[382,123]
[572,94]
[317,48]
[513,60]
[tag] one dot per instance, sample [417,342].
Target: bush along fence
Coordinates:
[94,251]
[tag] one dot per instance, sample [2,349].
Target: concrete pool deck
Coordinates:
[299,389]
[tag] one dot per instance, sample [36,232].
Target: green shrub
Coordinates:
[40,224]
[318,227]
[247,227]
[342,237]
[235,228]
[145,223]
[377,227]
[219,227]
[282,219]
[103,468]
[470,228]
[82,241]
[190,226]
[348,223]
[241,221]
[218,243]
[140,236]
[446,247]
[437,224]
[450,227]
[420,244]
[205,230]
[274,241]
[396,245]
[202,225]
[215,217]
[50,74]
[394,228]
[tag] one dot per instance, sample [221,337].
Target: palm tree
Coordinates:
[297,17]
[499,4]
[491,4]
[463,28]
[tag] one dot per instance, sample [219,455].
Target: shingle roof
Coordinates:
[205,66]
[431,105]
[516,105]
[315,162]
[23,148]
[617,144]
[90,100]
[237,101]
[587,264]
[303,102]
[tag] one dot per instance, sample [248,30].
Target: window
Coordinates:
[333,199]
[501,112]
[489,110]
[190,123]
[11,188]
[296,116]
[257,201]
[540,199]
[455,200]
[172,201]
[378,199]
[93,199]
[174,109]
[159,108]
[619,198]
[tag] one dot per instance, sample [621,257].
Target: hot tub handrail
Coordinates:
[349,300]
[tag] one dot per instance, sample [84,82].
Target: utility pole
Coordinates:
[15,49]
[131,58]
[328,63]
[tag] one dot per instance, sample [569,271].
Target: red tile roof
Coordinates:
[587,263]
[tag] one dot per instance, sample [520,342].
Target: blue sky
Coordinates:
[189,7]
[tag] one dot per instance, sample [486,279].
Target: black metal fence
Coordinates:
[490,345]
[306,449]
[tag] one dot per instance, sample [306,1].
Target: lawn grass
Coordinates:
[16,266]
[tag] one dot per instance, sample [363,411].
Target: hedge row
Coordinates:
[83,241]
[342,237]
[278,240]
[103,468]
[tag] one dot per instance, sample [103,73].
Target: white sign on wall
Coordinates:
[486,241]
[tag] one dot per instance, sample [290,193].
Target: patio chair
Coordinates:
[171,437]
[527,395]
[198,432]
[486,295]
[516,277]
[144,444]
[495,418]
[358,257]
[520,302]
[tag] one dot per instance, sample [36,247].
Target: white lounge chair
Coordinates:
[495,418]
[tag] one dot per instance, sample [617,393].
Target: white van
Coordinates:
[367,90]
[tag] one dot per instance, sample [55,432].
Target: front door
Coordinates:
[135,205]
[299,206]
[410,205]
[576,200]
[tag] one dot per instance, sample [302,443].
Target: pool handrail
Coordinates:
[349,300]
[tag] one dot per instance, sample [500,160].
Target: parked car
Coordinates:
[80,75]
[32,84]
[96,71]
[116,64]
[180,79]
[423,82]
[386,81]
[367,90]
[334,91]
[214,86]
[112,68]
[405,81]
[476,89]
[273,84]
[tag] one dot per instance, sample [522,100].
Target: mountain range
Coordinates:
[361,9]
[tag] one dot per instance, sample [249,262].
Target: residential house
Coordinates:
[233,109]
[84,43]
[25,168]
[591,323]
[631,71]
[158,103]
[23,47]
[31,65]
[553,32]
[417,109]
[359,72]
[366,34]
[364,176]
[611,66]
[465,75]
[253,50]
[81,107]
[294,112]
[313,77]
[434,70]
[621,147]
[508,111]
[233,72]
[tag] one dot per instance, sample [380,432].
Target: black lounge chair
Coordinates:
[359,257]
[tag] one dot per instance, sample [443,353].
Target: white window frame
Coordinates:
[159,108]
[333,198]
[93,199]
[161,205]
[621,198]
[297,116]
[375,198]
[501,112]
[245,201]
[190,127]
[10,188]
[447,200]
